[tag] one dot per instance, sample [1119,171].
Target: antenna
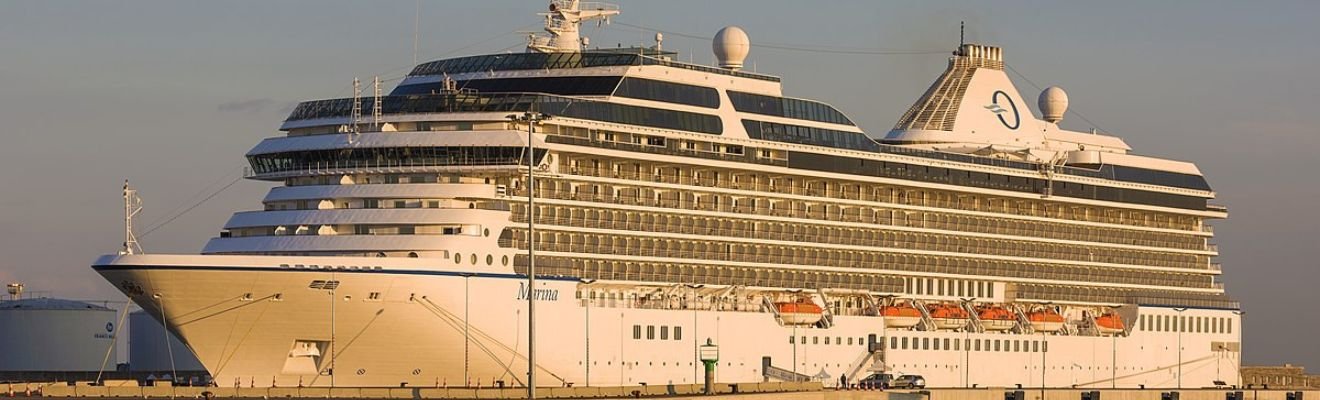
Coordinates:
[356,114]
[375,105]
[132,205]
[417,17]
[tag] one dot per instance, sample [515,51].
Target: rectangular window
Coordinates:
[792,339]
[678,333]
[664,333]
[893,342]
[925,343]
[997,346]
[1017,346]
[905,343]
[650,332]
[978,345]
[637,331]
[1035,347]
[815,340]
[937,344]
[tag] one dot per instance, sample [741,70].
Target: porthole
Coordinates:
[361,371]
[417,371]
[490,260]
[486,232]
[474,258]
[504,260]
[458,258]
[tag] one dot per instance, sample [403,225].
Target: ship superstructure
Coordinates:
[675,203]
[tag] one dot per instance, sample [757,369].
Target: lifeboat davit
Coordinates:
[947,316]
[996,318]
[1109,323]
[900,316]
[800,312]
[1045,320]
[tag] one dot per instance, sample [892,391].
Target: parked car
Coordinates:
[878,380]
[909,382]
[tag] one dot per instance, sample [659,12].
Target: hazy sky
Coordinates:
[171,94]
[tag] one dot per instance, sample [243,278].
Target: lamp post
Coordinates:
[692,303]
[1044,347]
[531,118]
[467,338]
[591,296]
[1180,325]
[1113,347]
[967,358]
[1238,366]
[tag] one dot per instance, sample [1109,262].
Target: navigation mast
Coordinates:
[132,205]
[562,23]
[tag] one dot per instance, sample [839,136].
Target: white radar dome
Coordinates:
[1053,104]
[731,46]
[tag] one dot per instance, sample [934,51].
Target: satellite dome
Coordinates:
[731,46]
[1053,103]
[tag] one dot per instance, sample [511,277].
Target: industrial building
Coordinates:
[152,352]
[45,338]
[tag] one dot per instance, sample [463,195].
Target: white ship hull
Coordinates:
[430,326]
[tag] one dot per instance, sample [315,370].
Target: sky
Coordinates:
[171,94]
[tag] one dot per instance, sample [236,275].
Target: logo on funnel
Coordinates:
[999,110]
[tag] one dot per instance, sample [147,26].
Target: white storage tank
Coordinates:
[54,335]
[148,351]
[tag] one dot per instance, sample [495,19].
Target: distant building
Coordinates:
[150,353]
[44,338]
[1287,376]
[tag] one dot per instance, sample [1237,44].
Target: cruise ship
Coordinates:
[673,205]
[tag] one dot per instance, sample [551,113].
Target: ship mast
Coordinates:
[132,205]
[562,23]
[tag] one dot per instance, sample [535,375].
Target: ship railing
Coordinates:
[957,225]
[1216,267]
[761,234]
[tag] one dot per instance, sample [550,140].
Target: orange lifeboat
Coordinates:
[996,318]
[947,316]
[900,316]
[1045,320]
[1109,323]
[800,312]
